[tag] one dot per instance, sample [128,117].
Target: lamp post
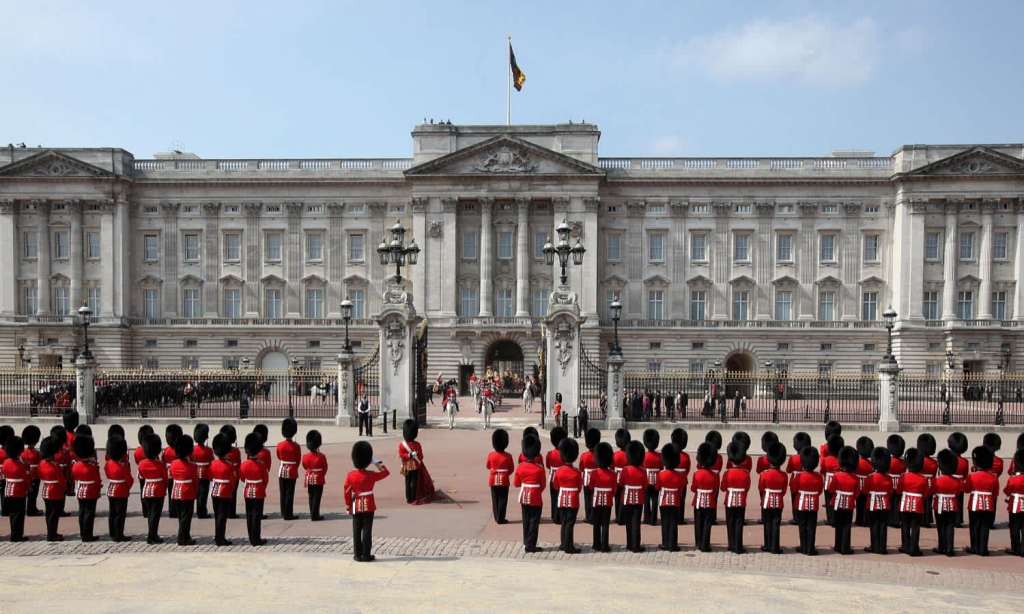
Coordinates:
[21,355]
[719,399]
[245,364]
[396,251]
[84,312]
[615,308]
[889,315]
[564,250]
[772,372]
[293,388]
[346,315]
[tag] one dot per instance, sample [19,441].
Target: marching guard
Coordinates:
[945,501]
[553,460]
[913,492]
[669,485]
[704,487]
[679,440]
[30,456]
[529,479]
[16,485]
[202,458]
[652,466]
[807,485]
[844,488]
[358,491]
[771,486]
[568,482]
[152,477]
[499,467]
[602,486]
[619,460]
[51,486]
[314,466]
[289,455]
[633,485]
[119,485]
[184,484]
[982,488]
[878,496]
[735,486]
[897,467]
[1014,491]
[223,481]
[86,473]
[588,463]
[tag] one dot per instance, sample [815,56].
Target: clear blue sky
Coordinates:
[303,79]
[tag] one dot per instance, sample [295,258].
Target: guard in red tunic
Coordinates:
[652,465]
[419,488]
[929,469]
[171,435]
[152,477]
[844,488]
[63,460]
[1014,491]
[71,424]
[793,466]
[772,485]
[86,473]
[51,486]
[588,463]
[878,496]
[619,460]
[633,486]
[289,455]
[957,443]
[223,479]
[992,441]
[358,489]
[264,459]
[982,490]
[735,486]
[529,479]
[742,439]
[897,467]
[807,485]
[602,486]
[669,485]
[865,446]
[202,457]
[30,456]
[139,454]
[6,432]
[314,467]
[16,484]
[538,460]
[679,439]
[768,439]
[254,488]
[704,487]
[234,457]
[946,487]
[832,429]
[553,460]
[119,484]
[1015,467]
[499,475]
[185,484]
[912,496]
[568,482]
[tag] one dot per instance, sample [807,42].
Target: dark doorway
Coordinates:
[465,371]
[504,359]
[739,373]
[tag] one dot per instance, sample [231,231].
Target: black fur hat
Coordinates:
[705,456]
[171,434]
[767,439]
[531,447]
[184,447]
[680,438]
[743,439]
[5,433]
[881,459]
[926,444]
[57,430]
[151,446]
[201,433]
[835,444]
[914,460]
[865,446]
[848,459]
[591,438]
[557,435]
[715,439]
[84,447]
[957,442]
[531,431]
[262,431]
[253,443]
[144,431]
[605,454]
[70,419]
[1020,441]
[947,462]
[651,439]
[569,450]
[30,435]
[230,432]
[410,430]
[115,430]
[982,457]
[832,428]
[992,441]
[14,446]
[622,439]
[800,441]
[221,445]
[669,456]
[499,440]
[896,445]
[635,453]
[1018,460]
[49,446]
[735,452]
[809,458]
[289,427]
[83,430]
[362,454]
[116,448]
[314,440]
[777,454]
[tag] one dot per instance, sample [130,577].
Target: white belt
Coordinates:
[598,489]
[769,493]
[284,462]
[529,486]
[734,491]
[253,481]
[201,464]
[913,494]
[221,481]
[629,487]
[108,481]
[21,480]
[365,494]
[182,481]
[316,470]
[41,481]
[500,470]
[81,482]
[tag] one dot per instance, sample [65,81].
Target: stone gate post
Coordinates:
[888,396]
[562,332]
[397,321]
[345,388]
[85,388]
[615,418]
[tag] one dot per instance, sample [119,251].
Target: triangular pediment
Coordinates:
[973,162]
[271,279]
[150,280]
[698,280]
[502,156]
[656,280]
[231,279]
[784,280]
[742,279]
[969,280]
[51,163]
[615,280]
[872,279]
[313,278]
[828,280]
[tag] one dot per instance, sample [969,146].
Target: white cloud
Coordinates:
[806,50]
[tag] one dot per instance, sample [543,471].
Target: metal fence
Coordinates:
[593,387]
[366,379]
[961,398]
[36,392]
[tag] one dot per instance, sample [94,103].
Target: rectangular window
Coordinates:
[230,363]
[741,248]
[94,300]
[541,297]
[869,306]
[190,362]
[999,306]
[503,303]
[825,369]
[615,247]
[61,300]
[827,252]
[190,307]
[469,302]
[697,366]
[152,363]
[694,345]
[740,305]
[470,241]
[504,245]
[965,305]
[826,305]
[190,246]
[784,305]
[356,245]
[870,248]
[358,298]
[784,248]
[29,300]
[932,241]
[314,246]
[151,247]
[272,248]
[60,245]
[92,245]
[782,346]
[999,245]
[930,305]
[655,304]
[314,302]
[231,343]
[656,247]
[698,304]
[867,368]
[151,303]
[698,247]
[272,303]
[232,303]
[966,246]
[539,239]
[232,247]
[150,343]
[29,244]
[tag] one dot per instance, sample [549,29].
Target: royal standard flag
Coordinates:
[518,76]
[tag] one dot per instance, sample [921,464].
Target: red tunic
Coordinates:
[670,485]
[30,456]
[633,484]
[567,483]
[829,467]
[314,464]
[529,478]
[736,485]
[153,476]
[234,456]
[946,488]
[587,465]
[358,489]
[3,457]
[878,488]
[896,470]
[264,459]
[406,449]
[684,465]
[717,467]
[253,478]
[51,480]
[996,470]
[807,487]
[652,465]
[982,489]
[185,478]
[763,464]
[747,464]
[772,487]
[552,460]
[914,490]
[500,468]
[168,456]
[844,489]
[290,455]
[202,457]
[704,487]
[864,469]
[602,482]
[119,479]
[793,465]
[223,478]
[961,468]
[86,474]
[537,460]
[823,451]
[1014,491]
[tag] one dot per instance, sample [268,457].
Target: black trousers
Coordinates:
[116,517]
[632,515]
[960,510]
[1016,533]
[601,518]
[682,506]
[879,523]
[172,504]
[221,510]
[202,496]
[568,517]
[254,521]
[894,510]
[15,510]
[807,524]
[411,478]
[365,423]
[702,518]
[929,513]
[362,535]
[842,521]
[32,507]
[499,503]
[619,518]
[152,507]
[829,512]
[862,511]
[734,520]
[588,504]
[3,498]
[86,518]
[316,493]
[186,509]
[651,506]
[945,523]
[234,503]
[980,525]
[54,508]
[287,489]
[910,532]
[556,518]
[669,528]
[772,526]
[531,525]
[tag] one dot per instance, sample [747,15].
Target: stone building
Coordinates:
[200,263]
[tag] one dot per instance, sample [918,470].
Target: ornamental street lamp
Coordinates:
[346,315]
[889,315]
[245,364]
[396,251]
[21,355]
[773,384]
[84,312]
[564,250]
[615,308]
[950,359]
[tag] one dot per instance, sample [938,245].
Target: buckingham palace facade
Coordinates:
[201,263]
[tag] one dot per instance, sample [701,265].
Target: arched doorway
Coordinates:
[505,358]
[739,368]
[274,360]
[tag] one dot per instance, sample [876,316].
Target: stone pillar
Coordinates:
[449,256]
[985,262]
[805,242]
[523,258]
[169,290]
[335,250]
[85,395]
[76,257]
[615,419]
[588,272]
[122,263]
[419,233]
[8,258]
[562,335]
[949,265]
[43,261]
[486,253]
[764,261]
[251,258]
[110,263]
[211,260]
[346,389]
[888,396]
[1018,265]
[397,321]
[720,244]
[294,253]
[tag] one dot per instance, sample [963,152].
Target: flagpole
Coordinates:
[508,86]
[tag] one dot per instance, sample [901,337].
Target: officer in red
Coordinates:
[912,496]
[619,460]
[171,435]
[652,465]
[768,439]
[553,460]
[234,456]
[86,473]
[254,488]
[602,486]
[929,469]
[992,441]
[832,429]
[806,486]
[982,488]
[202,457]
[865,446]
[152,477]
[538,460]
[568,483]
[588,463]
[529,479]
[679,439]
[223,480]
[1015,467]
[499,466]
[735,485]
[410,452]
[63,460]
[878,495]
[289,455]
[844,488]
[16,474]
[633,485]
[185,483]
[30,456]
[669,485]
[897,467]
[793,466]
[314,467]
[119,484]
[772,485]
[140,453]
[51,486]
[957,443]
[1014,491]
[359,500]
[704,487]
[946,487]
[6,432]
[742,439]
[264,459]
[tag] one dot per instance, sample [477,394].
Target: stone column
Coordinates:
[110,288]
[721,262]
[849,243]
[486,253]
[76,257]
[562,335]
[121,259]
[1018,265]
[211,260]
[888,397]
[85,395]
[949,265]
[449,256]
[294,255]
[764,261]
[588,272]
[615,419]
[418,205]
[251,259]
[335,250]
[43,261]
[679,260]
[397,322]
[985,262]
[8,258]
[523,258]
[346,389]
[169,289]
[805,243]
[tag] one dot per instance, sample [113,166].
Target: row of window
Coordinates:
[825,367]
[273,246]
[965,307]
[965,245]
[231,303]
[657,243]
[504,302]
[60,244]
[60,300]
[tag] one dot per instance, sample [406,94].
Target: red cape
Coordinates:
[424,486]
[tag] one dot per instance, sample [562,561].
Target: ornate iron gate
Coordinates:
[366,381]
[420,376]
[593,385]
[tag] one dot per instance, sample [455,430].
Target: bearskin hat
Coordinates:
[800,441]
[1020,441]
[743,439]
[184,447]
[171,434]
[680,438]
[531,431]
[569,450]
[834,445]
[314,440]
[715,439]
[651,439]
[914,460]
[115,430]
[14,446]
[622,439]
[957,442]
[144,431]
[289,427]
[531,447]
[777,454]
[881,459]
[253,443]
[57,431]
[982,457]
[591,438]
[201,433]
[865,446]
[1018,460]
[49,446]
[84,447]
[926,444]
[557,434]
[896,445]
[410,430]
[499,440]
[83,430]
[221,445]
[635,453]
[362,454]
[809,458]
[262,431]
[30,435]
[767,439]
[229,432]
[669,456]
[992,441]
[605,455]
[848,459]
[705,456]
[6,432]
[70,419]
[152,446]
[117,447]
[735,452]
[947,462]
[832,428]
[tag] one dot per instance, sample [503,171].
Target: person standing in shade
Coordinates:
[358,491]
[363,414]
[410,452]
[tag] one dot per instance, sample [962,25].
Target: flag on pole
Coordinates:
[518,76]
